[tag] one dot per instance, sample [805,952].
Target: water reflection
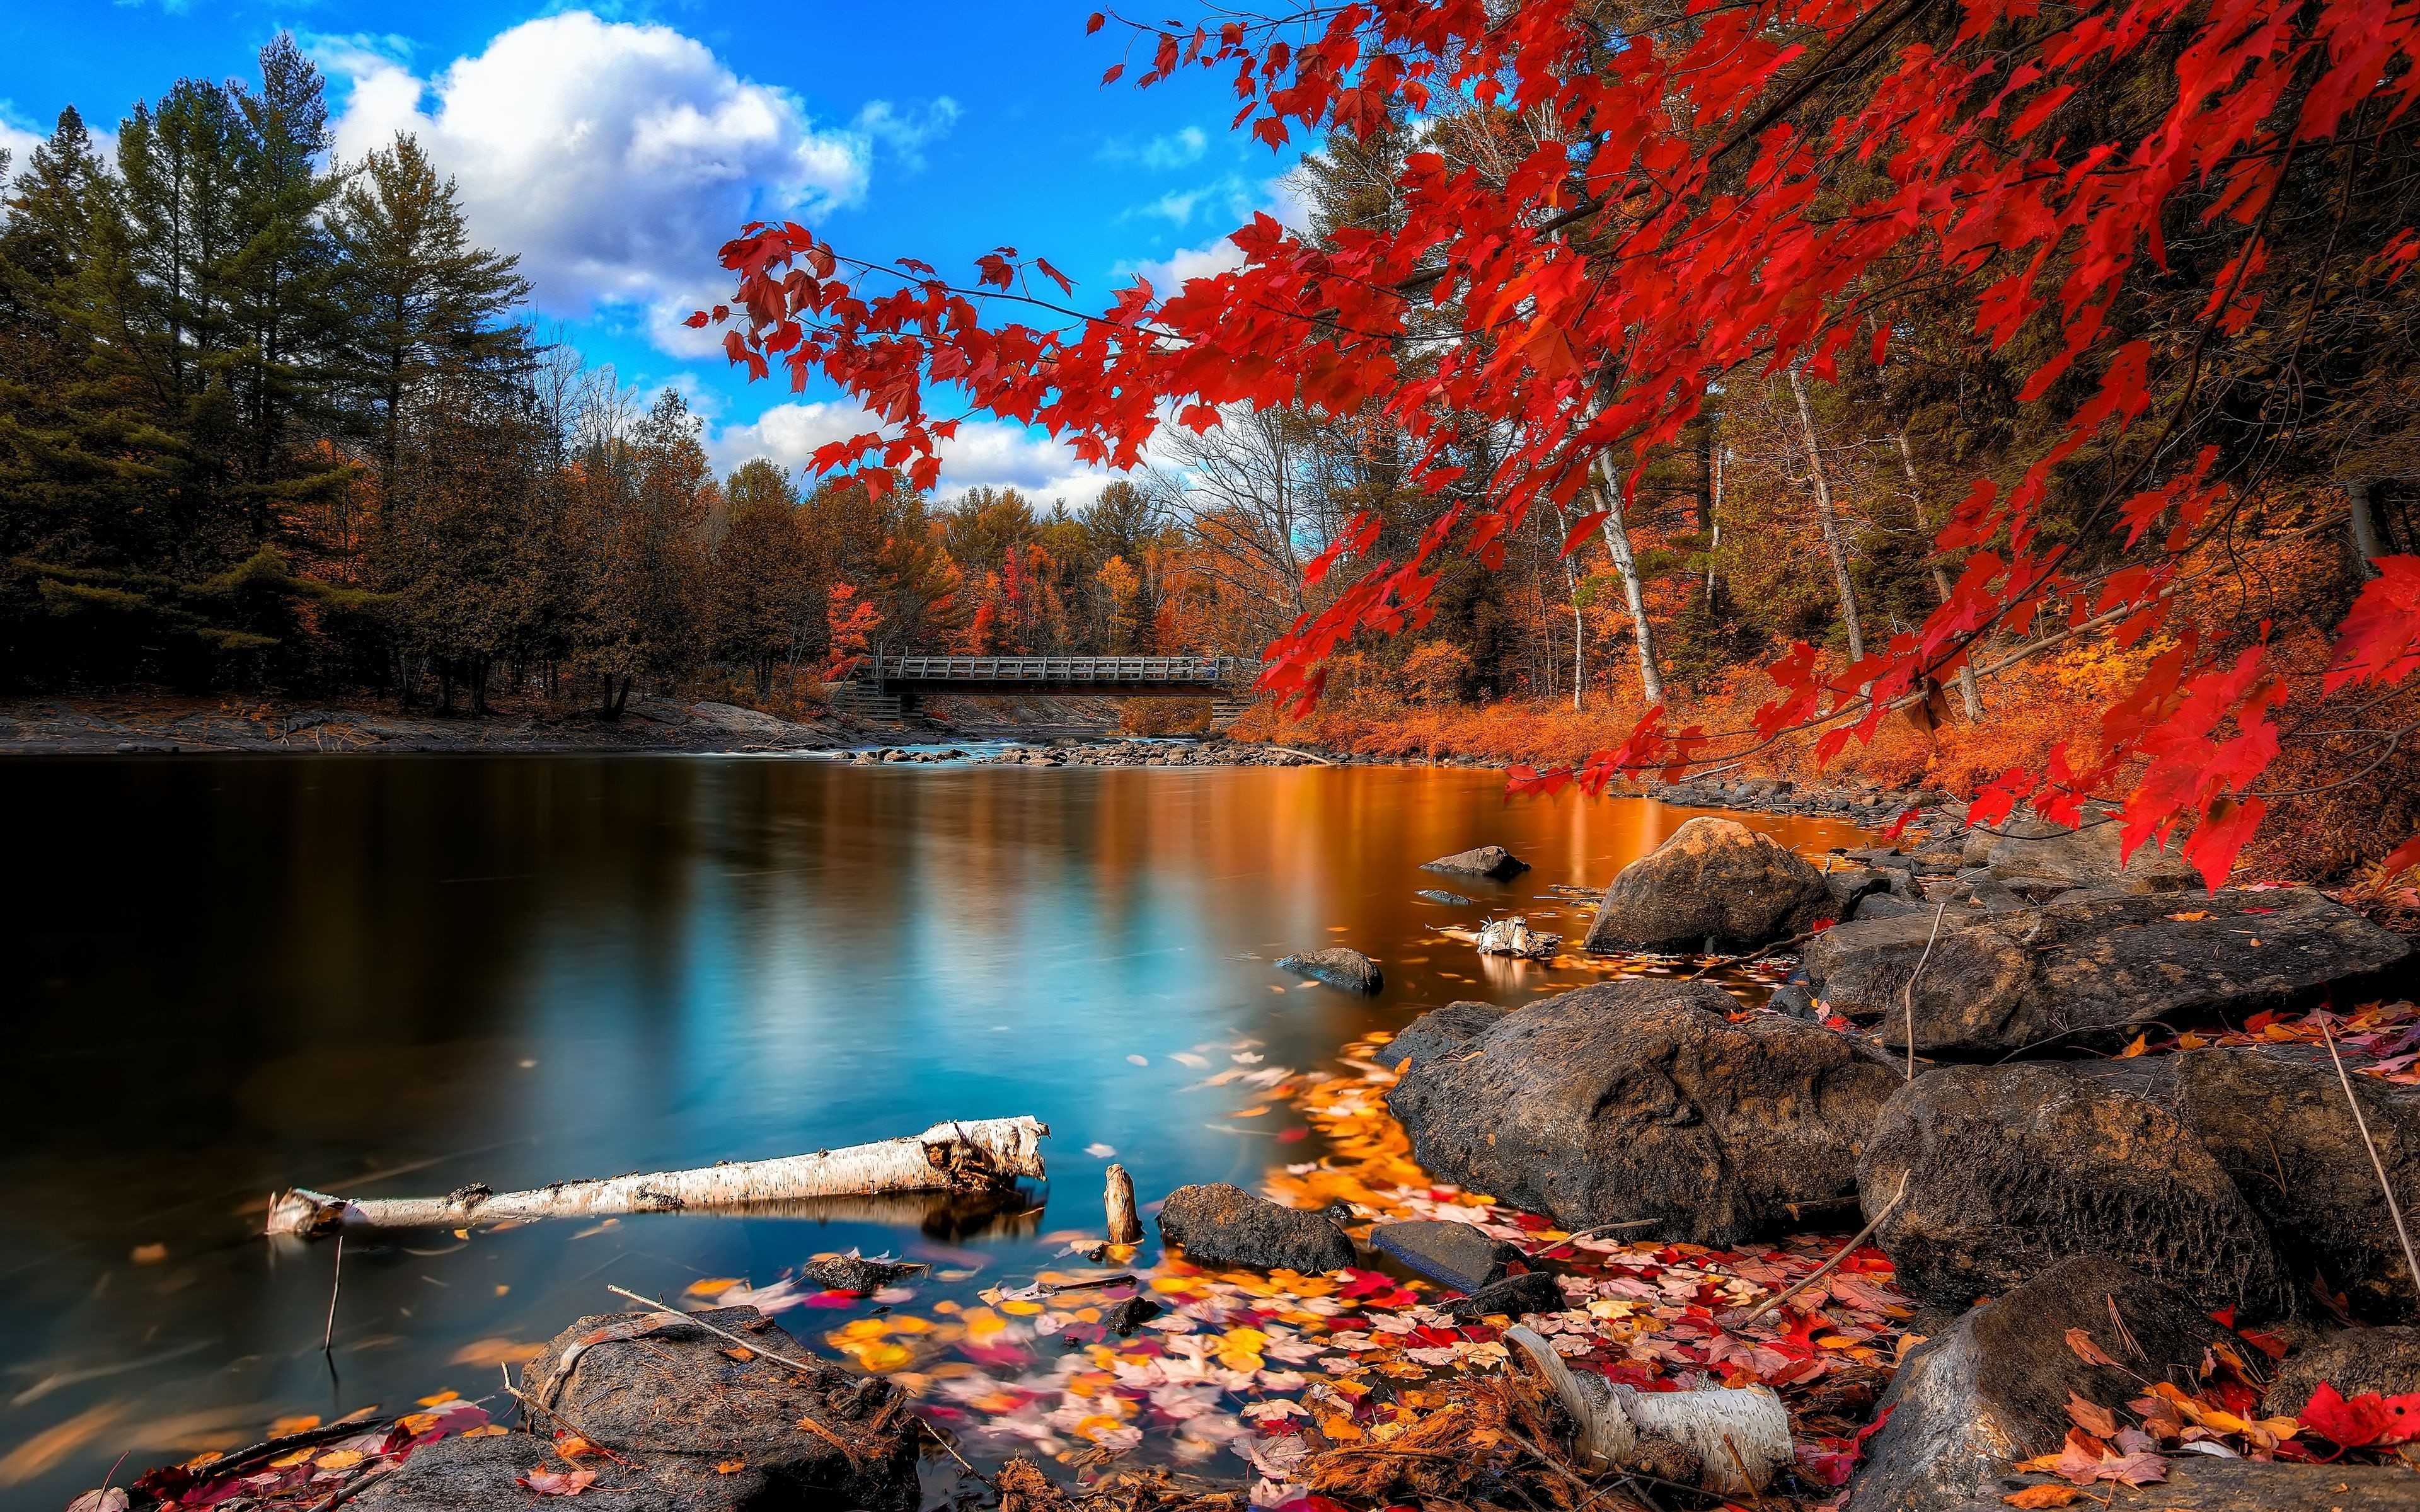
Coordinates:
[387,977]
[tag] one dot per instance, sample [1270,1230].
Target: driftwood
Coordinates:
[1126,1226]
[1740,1436]
[976,1155]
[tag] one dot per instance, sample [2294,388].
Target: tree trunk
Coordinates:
[1719,466]
[1616,545]
[1967,692]
[2365,547]
[1831,526]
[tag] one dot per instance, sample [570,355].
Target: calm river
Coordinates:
[393,976]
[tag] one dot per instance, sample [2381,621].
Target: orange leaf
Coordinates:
[2040,1496]
[2086,1351]
[546,1482]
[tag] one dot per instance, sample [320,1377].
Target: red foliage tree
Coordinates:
[1740,186]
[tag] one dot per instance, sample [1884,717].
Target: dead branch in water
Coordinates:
[975,1155]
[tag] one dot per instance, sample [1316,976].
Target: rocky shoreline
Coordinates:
[2125,1152]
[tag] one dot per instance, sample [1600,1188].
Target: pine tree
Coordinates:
[419,297]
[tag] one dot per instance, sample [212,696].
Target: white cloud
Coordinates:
[616,157]
[1177,150]
[17,139]
[1169,274]
[985,453]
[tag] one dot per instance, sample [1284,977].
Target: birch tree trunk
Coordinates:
[2364,524]
[1616,545]
[956,1156]
[1718,461]
[1831,526]
[1967,692]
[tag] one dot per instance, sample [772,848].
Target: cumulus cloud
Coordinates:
[1280,197]
[615,158]
[989,453]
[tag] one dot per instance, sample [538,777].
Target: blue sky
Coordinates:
[616,145]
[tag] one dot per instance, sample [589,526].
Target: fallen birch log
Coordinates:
[984,1154]
[1741,1436]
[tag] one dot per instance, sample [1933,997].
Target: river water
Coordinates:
[393,976]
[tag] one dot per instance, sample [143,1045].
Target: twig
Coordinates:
[2394,1208]
[1826,1268]
[335,1288]
[535,1405]
[750,1344]
[1590,1233]
[952,1450]
[1746,1479]
[1908,992]
[1774,948]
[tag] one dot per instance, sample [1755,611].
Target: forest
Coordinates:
[273,421]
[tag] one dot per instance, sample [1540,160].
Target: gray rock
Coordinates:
[1337,967]
[1892,906]
[2091,971]
[1440,1031]
[1438,895]
[1852,887]
[1642,1100]
[1486,861]
[484,1475]
[1224,1225]
[675,1399]
[1993,1388]
[2039,858]
[1512,1296]
[2354,1361]
[1714,885]
[2009,1169]
[1456,1254]
[1791,998]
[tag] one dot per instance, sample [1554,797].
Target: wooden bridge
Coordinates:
[894,686]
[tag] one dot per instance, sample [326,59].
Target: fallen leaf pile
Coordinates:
[2219,1417]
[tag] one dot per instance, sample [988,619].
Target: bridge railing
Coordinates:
[1190,671]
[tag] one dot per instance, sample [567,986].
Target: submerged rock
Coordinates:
[1714,885]
[1642,1100]
[1993,1388]
[1456,1254]
[1337,967]
[1486,861]
[1511,1296]
[679,1401]
[2091,971]
[1224,1225]
[1438,895]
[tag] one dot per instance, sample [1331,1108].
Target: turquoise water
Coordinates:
[393,976]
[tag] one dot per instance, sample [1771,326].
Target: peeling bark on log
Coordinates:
[975,1155]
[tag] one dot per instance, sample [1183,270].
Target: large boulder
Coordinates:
[1224,1225]
[1642,1100]
[1714,885]
[2092,970]
[1490,861]
[1337,967]
[1993,1389]
[679,1401]
[1440,1031]
[2007,1170]
[2275,1116]
[2355,1361]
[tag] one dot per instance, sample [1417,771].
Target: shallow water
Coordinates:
[393,976]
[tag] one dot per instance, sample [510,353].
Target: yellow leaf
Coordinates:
[417,1423]
[285,1426]
[1339,1429]
[714,1286]
[289,1461]
[1020,1308]
[485,1430]
[338,1459]
[2142,1043]
[439,1399]
[492,1352]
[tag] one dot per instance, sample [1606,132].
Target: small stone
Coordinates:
[1486,861]
[1456,1254]
[1219,1224]
[1337,967]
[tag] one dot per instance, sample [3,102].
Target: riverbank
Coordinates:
[163,724]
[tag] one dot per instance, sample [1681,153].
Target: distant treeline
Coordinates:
[269,420]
